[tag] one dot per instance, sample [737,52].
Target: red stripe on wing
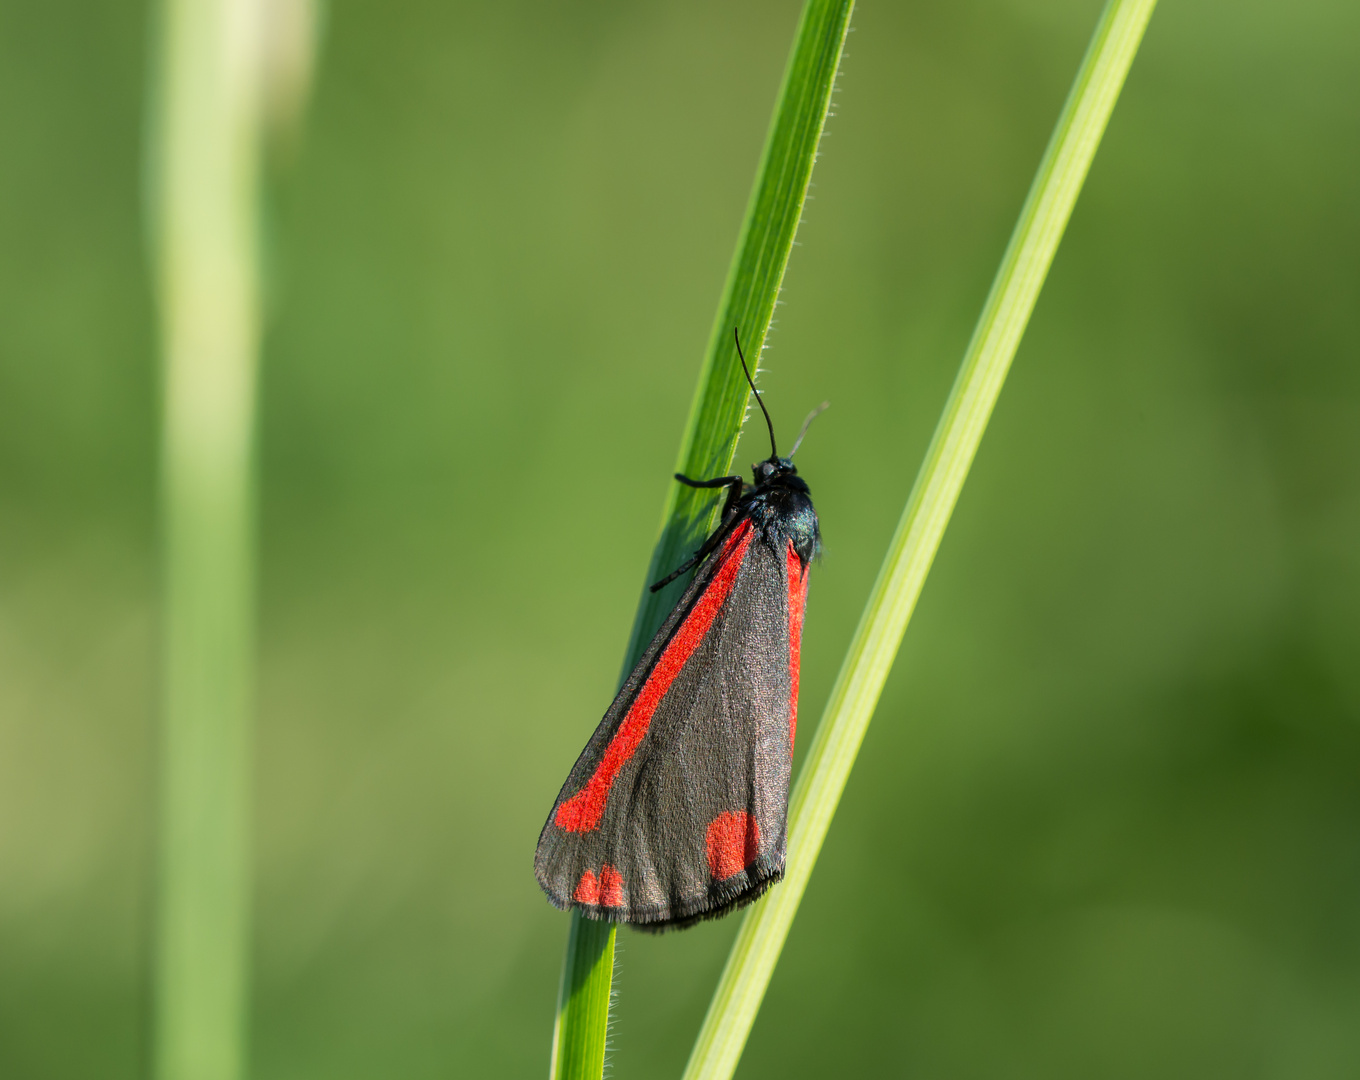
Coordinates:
[798,586]
[582,812]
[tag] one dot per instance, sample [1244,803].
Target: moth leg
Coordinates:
[690,563]
[719,535]
[734,494]
[716,482]
[735,486]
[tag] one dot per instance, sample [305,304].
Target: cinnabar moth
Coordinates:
[677,809]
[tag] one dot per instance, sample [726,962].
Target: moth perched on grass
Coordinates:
[676,810]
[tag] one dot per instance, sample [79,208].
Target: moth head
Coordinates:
[772,467]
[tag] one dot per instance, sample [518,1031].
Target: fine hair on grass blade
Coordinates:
[1014,291]
[708,443]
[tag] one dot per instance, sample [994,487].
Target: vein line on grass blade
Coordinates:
[709,441]
[986,361]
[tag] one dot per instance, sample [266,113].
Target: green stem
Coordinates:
[986,361]
[205,179]
[581,1031]
[710,439]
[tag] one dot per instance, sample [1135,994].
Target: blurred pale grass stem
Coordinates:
[997,335]
[709,441]
[204,179]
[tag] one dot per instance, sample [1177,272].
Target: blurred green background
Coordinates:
[1107,820]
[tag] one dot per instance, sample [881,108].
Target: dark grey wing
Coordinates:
[676,810]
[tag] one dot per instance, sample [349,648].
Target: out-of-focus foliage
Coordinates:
[1107,821]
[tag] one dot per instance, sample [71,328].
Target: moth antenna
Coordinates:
[807,424]
[759,401]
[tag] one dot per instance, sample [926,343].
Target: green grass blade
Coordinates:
[710,439]
[986,361]
[753,281]
[583,1000]
[204,176]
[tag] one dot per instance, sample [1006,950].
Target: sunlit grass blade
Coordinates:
[986,361]
[583,999]
[709,441]
[204,184]
[748,300]
[216,60]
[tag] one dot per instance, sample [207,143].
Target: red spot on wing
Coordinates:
[587,890]
[733,842]
[606,890]
[611,887]
[798,586]
[582,812]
